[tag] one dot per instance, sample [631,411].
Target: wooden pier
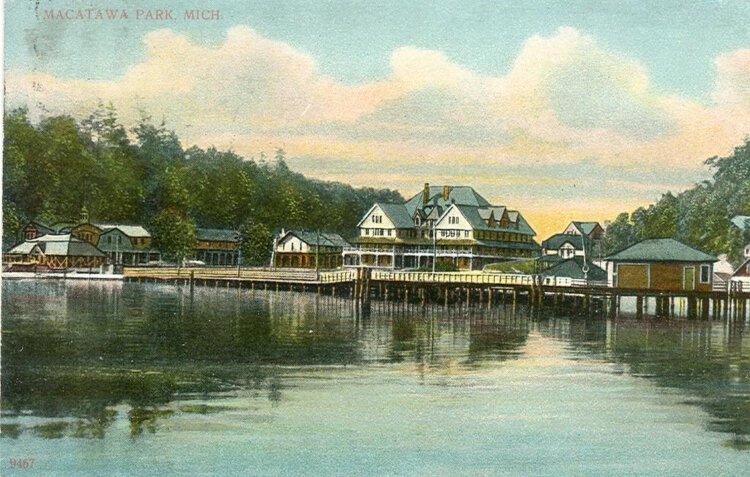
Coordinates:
[463,288]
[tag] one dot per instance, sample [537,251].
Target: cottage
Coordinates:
[567,245]
[663,265]
[217,246]
[57,251]
[446,224]
[304,249]
[592,230]
[128,245]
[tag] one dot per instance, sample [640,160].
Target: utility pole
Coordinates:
[434,245]
[238,236]
[317,248]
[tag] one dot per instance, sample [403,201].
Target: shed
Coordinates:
[663,265]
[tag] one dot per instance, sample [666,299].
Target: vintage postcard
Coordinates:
[340,237]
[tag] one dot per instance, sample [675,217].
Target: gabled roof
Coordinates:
[463,195]
[65,245]
[573,268]
[398,214]
[473,215]
[661,250]
[742,269]
[324,239]
[24,248]
[129,230]
[742,222]
[585,227]
[41,227]
[558,240]
[216,235]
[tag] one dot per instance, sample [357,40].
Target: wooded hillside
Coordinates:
[700,216]
[144,176]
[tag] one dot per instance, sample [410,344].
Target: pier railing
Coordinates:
[251,274]
[453,277]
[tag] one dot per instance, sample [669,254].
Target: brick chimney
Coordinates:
[446,192]
[426,193]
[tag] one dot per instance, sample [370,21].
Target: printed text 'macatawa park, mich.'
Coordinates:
[156,14]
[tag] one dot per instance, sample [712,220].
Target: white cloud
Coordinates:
[565,100]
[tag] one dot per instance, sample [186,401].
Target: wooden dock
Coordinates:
[464,288]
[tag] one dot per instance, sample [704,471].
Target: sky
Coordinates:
[562,110]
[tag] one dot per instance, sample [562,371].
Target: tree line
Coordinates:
[144,175]
[700,216]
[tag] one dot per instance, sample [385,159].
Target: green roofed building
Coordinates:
[308,249]
[445,224]
[219,247]
[663,265]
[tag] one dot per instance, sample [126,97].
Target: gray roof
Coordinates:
[398,214]
[41,227]
[661,250]
[586,227]
[324,239]
[573,268]
[463,195]
[63,245]
[24,248]
[742,222]
[129,230]
[216,235]
[558,240]
[474,216]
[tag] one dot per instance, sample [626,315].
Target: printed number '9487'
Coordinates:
[22,463]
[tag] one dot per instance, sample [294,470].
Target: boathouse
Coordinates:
[57,252]
[305,249]
[662,265]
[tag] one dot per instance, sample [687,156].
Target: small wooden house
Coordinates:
[304,249]
[217,246]
[567,245]
[592,230]
[128,245]
[663,265]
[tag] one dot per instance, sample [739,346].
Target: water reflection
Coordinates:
[79,355]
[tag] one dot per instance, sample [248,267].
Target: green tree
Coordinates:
[257,243]
[173,234]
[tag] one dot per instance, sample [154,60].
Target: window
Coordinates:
[377,219]
[389,232]
[705,273]
[453,220]
[466,233]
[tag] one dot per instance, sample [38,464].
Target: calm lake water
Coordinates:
[143,379]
